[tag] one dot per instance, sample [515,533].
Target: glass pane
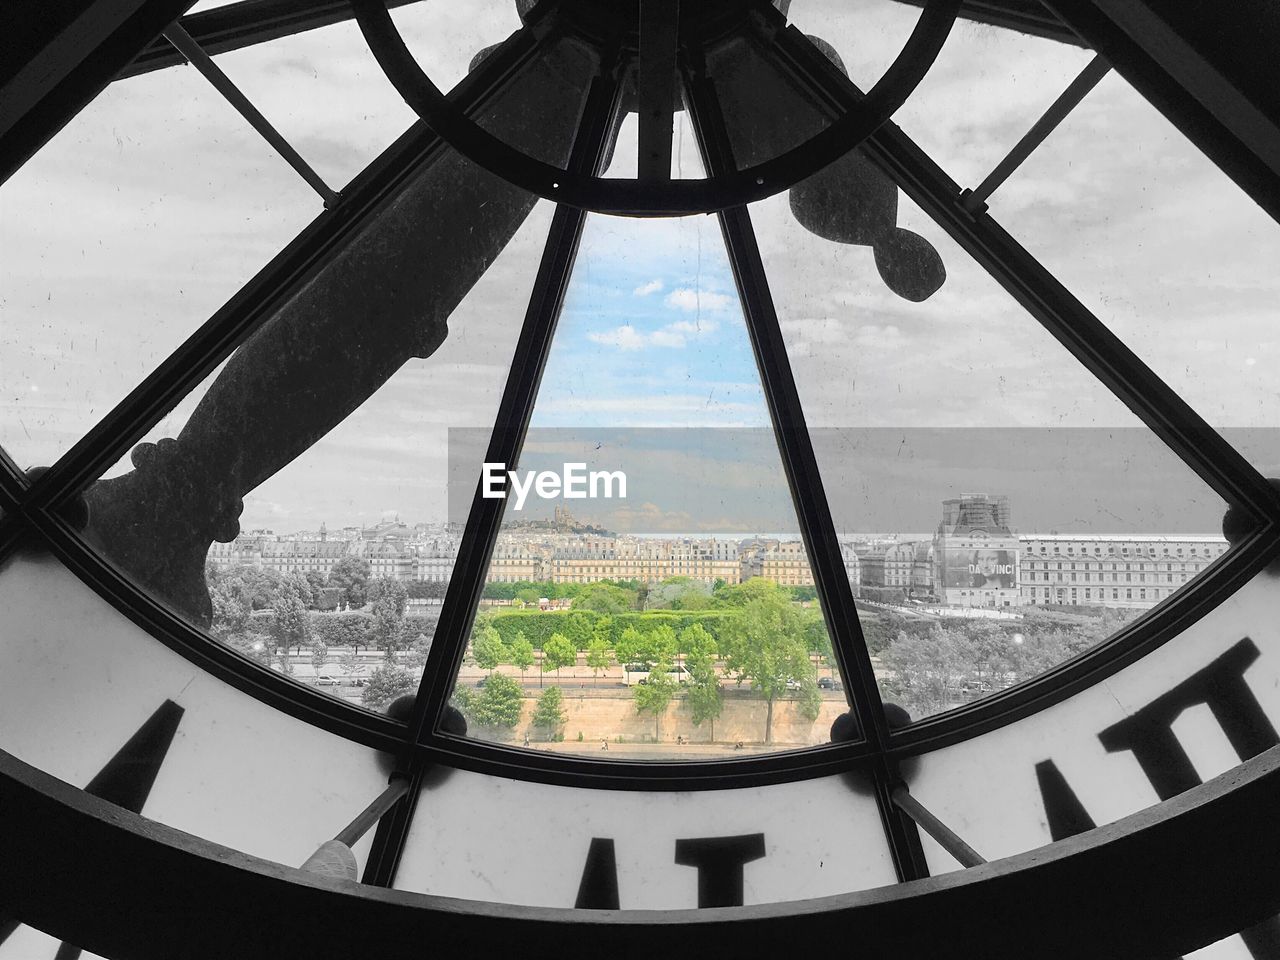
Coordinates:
[300,506]
[1074,765]
[686,161]
[795,841]
[627,615]
[447,38]
[1002,510]
[985,90]
[867,33]
[325,93]
[80,680]
[123,234]
[1166,250]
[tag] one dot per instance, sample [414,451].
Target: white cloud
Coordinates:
[653,286]
[672,335]
[692,328]
[686,298]
[624,337]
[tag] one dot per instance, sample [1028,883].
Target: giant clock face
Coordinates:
[653,560]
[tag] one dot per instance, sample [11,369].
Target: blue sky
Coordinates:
[651,333]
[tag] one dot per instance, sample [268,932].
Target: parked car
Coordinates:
[794,684]
[325,680]
[829,683]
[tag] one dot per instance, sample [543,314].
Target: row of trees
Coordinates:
[498,706]
[936,666]
[268,616]
[765,641]
[620,596]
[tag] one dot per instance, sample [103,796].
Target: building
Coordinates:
[975,553]
[514,561]
[1122,570]
[784,562]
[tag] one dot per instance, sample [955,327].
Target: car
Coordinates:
[829,683]
[325,680]
[358,681]
[793,684]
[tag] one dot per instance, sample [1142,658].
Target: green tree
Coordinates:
[488,649]
[231,610]
[386,683]
[300,585]
[499,705]
[630,646]
[349,664]
[316,581]
[698,644]
[927,670]
[351,574]
[558,652]
[549,713]
[388,600]
[655,693]
[319,653]
[598,657]
[521,653]
[578,628]
[765,643]
[662,644]
[705,699]
[603,630]
[290,625]
[605,598]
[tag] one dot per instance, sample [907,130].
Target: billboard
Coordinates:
[980,568]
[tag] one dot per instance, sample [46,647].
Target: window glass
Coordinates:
[686,163]
[1166,251]
[956,438]
[660,606]
[867,33]
[326,95]
[124,233]
[563,847]
[299,511]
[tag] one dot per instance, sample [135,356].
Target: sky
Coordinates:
[157,203]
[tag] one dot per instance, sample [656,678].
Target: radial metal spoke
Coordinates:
[656,86]
[975,200]
[805,480]
[485,518]
[183,43]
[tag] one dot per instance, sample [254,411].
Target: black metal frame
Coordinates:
[804,478]
[730,186]
[36,509]
[1159,899]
